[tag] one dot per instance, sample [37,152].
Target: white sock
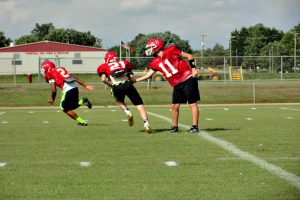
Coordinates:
[127,111]
[146,123]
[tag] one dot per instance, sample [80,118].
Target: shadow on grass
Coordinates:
[219,129]
[166,130]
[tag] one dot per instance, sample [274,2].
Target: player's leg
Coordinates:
[118,94]
[85,101]
[178,97]
[175,116]
[193,95]
[136,99]
[144,117]
[69,102]
[195,113]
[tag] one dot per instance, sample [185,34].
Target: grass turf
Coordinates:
[43,150]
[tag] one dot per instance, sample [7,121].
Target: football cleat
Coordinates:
[130,119]
[173,129]
[193,129]
[87,102]
[148,129]
[82,124]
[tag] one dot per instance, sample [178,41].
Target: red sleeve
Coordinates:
[128,65]
[101,70]
[174,50]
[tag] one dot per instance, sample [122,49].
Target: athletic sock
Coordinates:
[80,120]
[127,111]
[146,123]
[80,102]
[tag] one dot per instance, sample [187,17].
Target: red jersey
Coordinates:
[59,76]
[172,66]
[109,68]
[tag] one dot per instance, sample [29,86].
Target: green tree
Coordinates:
[40,31]
[73,37]
[25,39]
[251,41]
[4,42]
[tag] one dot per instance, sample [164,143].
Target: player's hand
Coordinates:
[133,80]
[194,72]
[90,87]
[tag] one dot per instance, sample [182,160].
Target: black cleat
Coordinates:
[193,129]
[87,102]
[173,129]
[82,124]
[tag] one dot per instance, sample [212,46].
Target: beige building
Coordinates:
[26,59]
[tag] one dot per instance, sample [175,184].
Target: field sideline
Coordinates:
[257,144]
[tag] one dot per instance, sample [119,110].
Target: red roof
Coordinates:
[45,46]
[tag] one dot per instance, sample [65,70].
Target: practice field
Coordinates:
[242,152]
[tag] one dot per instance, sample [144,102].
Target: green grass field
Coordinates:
[242,152]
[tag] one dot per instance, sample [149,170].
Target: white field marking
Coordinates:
[5,122]
[228,158]
[289,177]
[30,112]
[209,119]
[279,158]
[226,109]
[113,110]
[124,120]
[2,165]
[248,118]
[290,118]
[85,164]
[2,113]
[45,122]
[283,108]
[171,163]
[253,108]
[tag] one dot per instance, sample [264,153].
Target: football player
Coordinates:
[60,77]
[182,76]
[119,76]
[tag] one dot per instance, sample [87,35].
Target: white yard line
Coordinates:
[2,113]
[289,177]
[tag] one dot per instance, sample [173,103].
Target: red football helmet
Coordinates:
[110,57]
[153,46]
[47,66]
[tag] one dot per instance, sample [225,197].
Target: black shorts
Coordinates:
[126,88]
[186,92]
[69,100]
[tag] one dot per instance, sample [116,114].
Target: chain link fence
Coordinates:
[253,78]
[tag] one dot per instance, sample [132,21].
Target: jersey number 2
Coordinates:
[168,65]
[63,73]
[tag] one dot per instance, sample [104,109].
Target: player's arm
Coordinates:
[83,84]
[149,74]
[105,80]
[192,62]
[130,76]
[53,92]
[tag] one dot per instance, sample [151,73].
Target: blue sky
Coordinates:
[115,20]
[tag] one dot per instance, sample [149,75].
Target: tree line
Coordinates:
[257,40]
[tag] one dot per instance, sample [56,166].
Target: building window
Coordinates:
[77,59]
[77,62]
[77,55]
[16,62]
[16,56]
